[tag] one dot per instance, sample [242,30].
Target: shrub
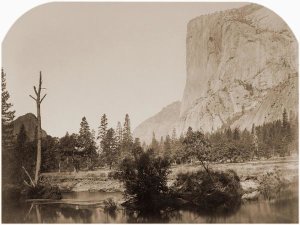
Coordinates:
[217,191]
[272,184]
[110,205]
[144,176]
[42,192]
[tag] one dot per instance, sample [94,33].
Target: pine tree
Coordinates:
[85,135]
[127,139]
[167,147]
[161,146]
[86,142]
[229,134]
[253,129]
[7,134]
[127,136]
[119,135]
[144,146]
[22,138]
[236,134]
[110,148]
[189,131]
[284,120]
[102,130]
[174,135]
[137,143]
[93,133]
[20,150]
[154,143]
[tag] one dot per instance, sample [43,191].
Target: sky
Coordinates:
[96,58]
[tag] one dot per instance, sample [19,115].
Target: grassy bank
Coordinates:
[250,173]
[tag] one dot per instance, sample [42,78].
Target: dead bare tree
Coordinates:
[38,99]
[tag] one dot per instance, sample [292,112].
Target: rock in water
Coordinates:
[251,196]
[241,69]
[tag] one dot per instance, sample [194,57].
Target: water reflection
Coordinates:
[281,210]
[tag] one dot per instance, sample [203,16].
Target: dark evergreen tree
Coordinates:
[119,134]
[236,134]
[86,143]
[229,134]
[127,135]
[9,163]
[253,129]
[110,149]
[154,144]
[174,135]
[137,143]
[167,147]
[102,130]
[50,154]
[127,140]
[68,147]
[161,146]
[21,146]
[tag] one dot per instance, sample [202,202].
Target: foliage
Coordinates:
[102,130]
[144,176]
[119,134]
[42,192]
[196,145]
[10,165]
[110,205]
[221,191]
[127,139]
[67,150]
[87,144]
[127,136]
[271,184]
[154,144]
[110,149]
[167,147]
[50,154]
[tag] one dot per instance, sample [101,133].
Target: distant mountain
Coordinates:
[242,69]
[162,123]
[30,122]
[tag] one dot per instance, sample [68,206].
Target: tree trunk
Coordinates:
[39,145]
[38,101]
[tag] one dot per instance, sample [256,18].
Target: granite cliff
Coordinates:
[242,69]
[30,123]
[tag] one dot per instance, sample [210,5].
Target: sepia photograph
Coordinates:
[150,112]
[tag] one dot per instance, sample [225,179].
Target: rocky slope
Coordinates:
[161,124]
[30,122]
[242,68]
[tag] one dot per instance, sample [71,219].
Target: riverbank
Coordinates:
[252,174]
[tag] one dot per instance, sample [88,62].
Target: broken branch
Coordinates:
[43,98]
[32,183]
[32,97]
[34,88]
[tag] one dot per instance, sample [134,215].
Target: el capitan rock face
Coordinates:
[242,68]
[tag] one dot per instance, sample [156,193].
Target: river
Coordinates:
[87,207]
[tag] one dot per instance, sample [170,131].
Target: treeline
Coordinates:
[277,138]
[79,151]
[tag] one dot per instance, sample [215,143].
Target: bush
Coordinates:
[144,176]
[42,192]
[110,205]
[272,184]
[217,191]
